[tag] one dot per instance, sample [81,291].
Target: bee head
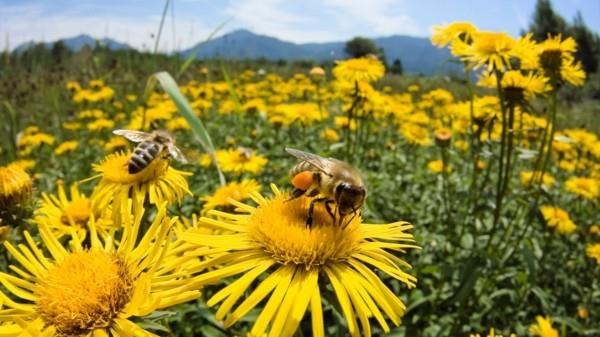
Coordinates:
[349,198]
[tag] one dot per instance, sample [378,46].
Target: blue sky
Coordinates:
[134,21]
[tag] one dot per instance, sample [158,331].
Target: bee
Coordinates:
[151,145]
[332,180]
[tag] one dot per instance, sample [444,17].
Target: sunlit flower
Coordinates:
[442,136]
[101,124]
[158,180]
[489,49]
[416,134]
[238,191]
[67,146]
[517,87]
[557,59]
[583,313]
[543,328]
[238,160]
[64,214]
[317,72]
[593,251]
[272,247]
[365,69]
[558,218]
[15,186]
[25,164]
[116,143]
[95,290]
[437,166]
[445,35]
[588,188]
[529,177]
[330,135]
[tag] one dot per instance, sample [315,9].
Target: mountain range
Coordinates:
[417,54]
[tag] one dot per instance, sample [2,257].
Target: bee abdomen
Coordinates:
[142,156]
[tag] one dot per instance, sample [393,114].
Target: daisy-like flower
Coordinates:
[529,177]
[489,49]
[588,188]
[557,59]
[543,328]
[65,147]
[92,292]
[492,333]
[593,251]
[437,166]
[558,218]
[158,180]
[457,31]
[238,191]
[518,87]
[237,160]
[64,214]
[415,134]
[330,135]
[15,186]
[364,69]
[271,246]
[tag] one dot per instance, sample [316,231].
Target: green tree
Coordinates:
[546,21]
[361,46]
[588,45]
[397,67]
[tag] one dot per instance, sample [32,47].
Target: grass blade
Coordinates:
[170,86]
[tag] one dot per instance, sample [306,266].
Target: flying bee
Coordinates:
[245,152]
[151,145]
[332,180]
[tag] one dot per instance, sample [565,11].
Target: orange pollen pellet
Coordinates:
[303,180]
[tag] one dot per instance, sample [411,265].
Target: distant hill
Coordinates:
[418,55]
[77,42]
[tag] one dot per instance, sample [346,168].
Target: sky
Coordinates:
[188,22]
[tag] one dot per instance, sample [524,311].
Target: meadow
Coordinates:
[481,216]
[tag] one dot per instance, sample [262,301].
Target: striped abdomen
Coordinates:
[143,155]
[301,167]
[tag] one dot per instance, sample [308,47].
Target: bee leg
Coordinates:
[311,211]
[296,193]
[328,204]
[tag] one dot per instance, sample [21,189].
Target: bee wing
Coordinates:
[132,135]
[176,153]
[320,163]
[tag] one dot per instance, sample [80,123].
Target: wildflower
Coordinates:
[594,229]
[558,218]
[365,69]
[64,215]
[272,240]
[25,164]
[415,134]
[65,147]
[593,251]
[413,88]
[317,72]
[158,180]
[583,313]
[556,58]
[456,31]
[517,87]
[490,49]
[492,333]
[116,143]
[543,327]
[437,166]
[95,291]
[344,122]
[330,135]
[238,160]
[71,126]
[587,188]
[101,124]
[15,186]
[238,191]
[443,136]
[529,177]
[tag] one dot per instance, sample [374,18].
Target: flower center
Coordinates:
[279,227]
[85,291]
[78,211]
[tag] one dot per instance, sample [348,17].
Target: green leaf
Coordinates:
[170,86]
[211,331]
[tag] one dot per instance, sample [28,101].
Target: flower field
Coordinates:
[480,218]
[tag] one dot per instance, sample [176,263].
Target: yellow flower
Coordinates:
[63,215]
[413,88]
[437,166]
[585,187]
[527,177]
[516,86]
[317,72]
[557,59]
[490,49]
[365,69]
[558,218]
[445,35]
[442,136]
[25,164]
[593,251]
[71,126]
[272,247]
[158,180]
[343,122]
[237,160]
[15,186]
[65,147]
[543,328]
[492,333]
[303,113]
[101,124]
[330,135]
[115,143]
[583,313]
[237,191]
[415,134]
[95,291]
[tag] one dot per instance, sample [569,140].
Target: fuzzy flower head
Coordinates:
[159,181]
[587,188]
[364,69]
[558,218]
[557,59]
[15,186]
[489,49]
[449,34]
[292,265]
[93,291]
